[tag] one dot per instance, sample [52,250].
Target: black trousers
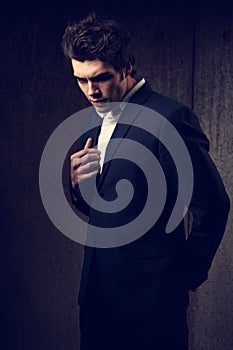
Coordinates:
[102,329]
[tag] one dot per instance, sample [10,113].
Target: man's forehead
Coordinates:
[88,69]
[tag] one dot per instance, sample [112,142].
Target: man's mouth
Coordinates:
[98,102]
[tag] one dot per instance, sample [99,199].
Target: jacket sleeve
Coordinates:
[75,193]
[76,196]
[77,200]
[209,203]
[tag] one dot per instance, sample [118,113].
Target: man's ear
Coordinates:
[128,70]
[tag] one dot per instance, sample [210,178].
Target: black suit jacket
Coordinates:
[153,274]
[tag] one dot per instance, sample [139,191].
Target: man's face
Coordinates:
[100,82]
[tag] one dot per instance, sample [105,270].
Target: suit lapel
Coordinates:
[126,121]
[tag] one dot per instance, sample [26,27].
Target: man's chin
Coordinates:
[102,107]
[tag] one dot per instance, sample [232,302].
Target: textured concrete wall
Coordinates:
[186,53]
[211,310]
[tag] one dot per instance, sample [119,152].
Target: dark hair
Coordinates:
[99,38]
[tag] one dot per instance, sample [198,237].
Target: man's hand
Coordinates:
[84,164]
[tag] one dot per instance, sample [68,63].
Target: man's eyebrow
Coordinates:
[76,77]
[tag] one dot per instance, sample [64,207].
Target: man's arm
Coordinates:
[209,204]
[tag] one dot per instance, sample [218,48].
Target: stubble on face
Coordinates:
[108,85]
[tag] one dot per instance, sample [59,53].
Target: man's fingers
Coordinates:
[77,179]
[88,143]
[89,167]
[85,163]
[85,172]
[88,176]
[89,157]
[81,153]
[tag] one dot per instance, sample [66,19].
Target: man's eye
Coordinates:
[102,78]
[81,81]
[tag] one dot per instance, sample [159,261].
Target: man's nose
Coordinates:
[93,88]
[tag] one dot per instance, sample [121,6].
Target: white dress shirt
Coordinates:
[110,120]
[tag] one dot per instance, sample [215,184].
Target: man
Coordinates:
[135,295]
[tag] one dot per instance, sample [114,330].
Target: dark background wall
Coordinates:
[185,50]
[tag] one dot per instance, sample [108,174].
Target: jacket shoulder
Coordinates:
[163,104]
[160,103]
